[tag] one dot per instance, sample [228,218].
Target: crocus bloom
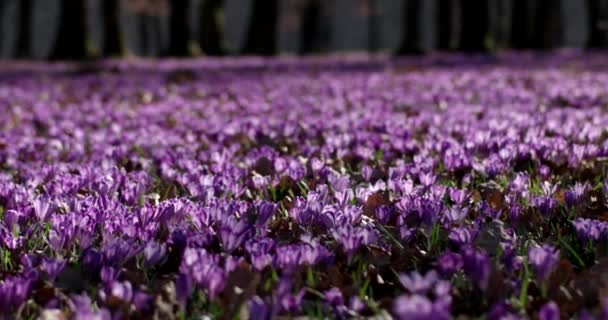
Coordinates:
[543,259]
[418,284]
[549,311]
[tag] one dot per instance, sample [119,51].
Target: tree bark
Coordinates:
[71,42]
[262,32]
[24,39]
[113,44]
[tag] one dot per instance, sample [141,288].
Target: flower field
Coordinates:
[317,188]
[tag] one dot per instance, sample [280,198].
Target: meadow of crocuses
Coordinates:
[460,187]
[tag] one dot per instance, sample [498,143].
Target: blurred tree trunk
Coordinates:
[179,37]
[71,42]
[211,30]
[144,44]
[373,32]
[24,38]
[549,29]
[113,44]
[448,24]
[598,23]
[410,28]
[523,28]
[310,30]
[500,18]
[474,25]
[262,31]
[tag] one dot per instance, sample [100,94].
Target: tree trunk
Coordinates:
[474,25]
[549,31]
[24,39]
[262,31]
[211,31]
[523,29]
[500,17]
[113,44]
[598,23]
[71,42]
[410,30]
[310,27]
[446,23]
[179,37]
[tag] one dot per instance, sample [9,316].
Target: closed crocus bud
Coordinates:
[545,172]
[334,297]
[477,266]
[117,293]
[543,259]
[143,302]
[259,309]
[458,196]
[449,263]
[109,274]
[575,195]
[384,214]
[549,311]
[92,260]
[51,267]
[154,252]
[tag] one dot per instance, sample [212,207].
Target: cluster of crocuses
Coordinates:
[322,188]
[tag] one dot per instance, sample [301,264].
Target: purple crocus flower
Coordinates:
[92,260]
[589,229]
[117,293]
[455,214]
[543,259]
[460,236]
[259,309]
[576,194]
[352,238]
[143,302]
[449,263]
[417,307]
[415,283]
[477,266]
[549,311]
[154,252]
[42,208]
[233,233]
[384,214]
[458,196]
[51,267]
[14,291]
